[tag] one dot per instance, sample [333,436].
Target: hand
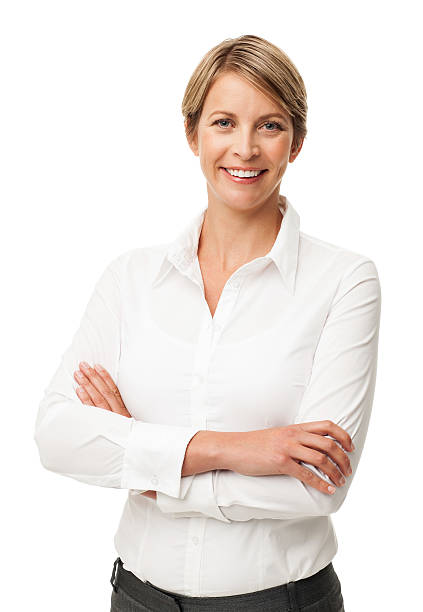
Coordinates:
[279,450]
[152,494]
[98,389]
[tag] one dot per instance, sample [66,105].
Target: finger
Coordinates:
[95,379]
[328,446]
[95,396]
[83,396]
[328,427]
[308,477]
[109,383]
[320,461]
[115,398]
[100,385]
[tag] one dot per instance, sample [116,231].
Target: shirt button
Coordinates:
[154,480]
[195,540]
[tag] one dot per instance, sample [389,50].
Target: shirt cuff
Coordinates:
[199,500]
[154,457]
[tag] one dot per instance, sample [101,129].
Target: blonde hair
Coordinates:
[263,65]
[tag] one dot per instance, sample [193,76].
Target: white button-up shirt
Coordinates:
[294,339]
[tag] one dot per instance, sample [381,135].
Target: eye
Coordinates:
[219,120]
[278,126]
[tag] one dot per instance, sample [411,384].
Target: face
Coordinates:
[240,127]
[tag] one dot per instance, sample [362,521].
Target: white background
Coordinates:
[94,161]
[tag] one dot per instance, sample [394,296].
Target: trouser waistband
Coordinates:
[291,595]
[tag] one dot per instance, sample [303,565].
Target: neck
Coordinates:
[231,238]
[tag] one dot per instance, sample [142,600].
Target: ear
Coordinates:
[294,152]
[193,142]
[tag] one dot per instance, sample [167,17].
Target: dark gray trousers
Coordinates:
[318,593]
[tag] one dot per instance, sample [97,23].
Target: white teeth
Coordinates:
[243,173]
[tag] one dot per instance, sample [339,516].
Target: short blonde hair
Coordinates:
[262,64]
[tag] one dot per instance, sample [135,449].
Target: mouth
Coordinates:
[243,180]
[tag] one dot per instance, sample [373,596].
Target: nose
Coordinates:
[245,145]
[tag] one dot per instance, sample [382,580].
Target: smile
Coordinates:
[244,180]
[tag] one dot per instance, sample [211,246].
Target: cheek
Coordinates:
[212,148]
[279,150]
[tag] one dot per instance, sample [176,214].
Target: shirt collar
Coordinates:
[182,251]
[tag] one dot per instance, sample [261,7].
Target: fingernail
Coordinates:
[84,364]
[331,489]
[98,367]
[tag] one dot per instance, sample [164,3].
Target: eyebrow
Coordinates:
[223,112]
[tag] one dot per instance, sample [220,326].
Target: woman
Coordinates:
[222,378]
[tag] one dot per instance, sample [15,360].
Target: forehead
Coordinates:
[233,93]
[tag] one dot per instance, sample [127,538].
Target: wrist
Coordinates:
[227,449]
[206,451]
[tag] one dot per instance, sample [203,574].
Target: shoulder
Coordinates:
[139,261]
[348,277]
[332,259]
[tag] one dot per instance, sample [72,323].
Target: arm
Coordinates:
[97,446]
[341,389]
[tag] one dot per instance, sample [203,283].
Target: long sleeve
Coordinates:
[97,446]
[340,389]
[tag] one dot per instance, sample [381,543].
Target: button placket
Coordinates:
[194,554]
[224,308]
[198,419]
[208,337]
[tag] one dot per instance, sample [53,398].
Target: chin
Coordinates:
[242,202]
